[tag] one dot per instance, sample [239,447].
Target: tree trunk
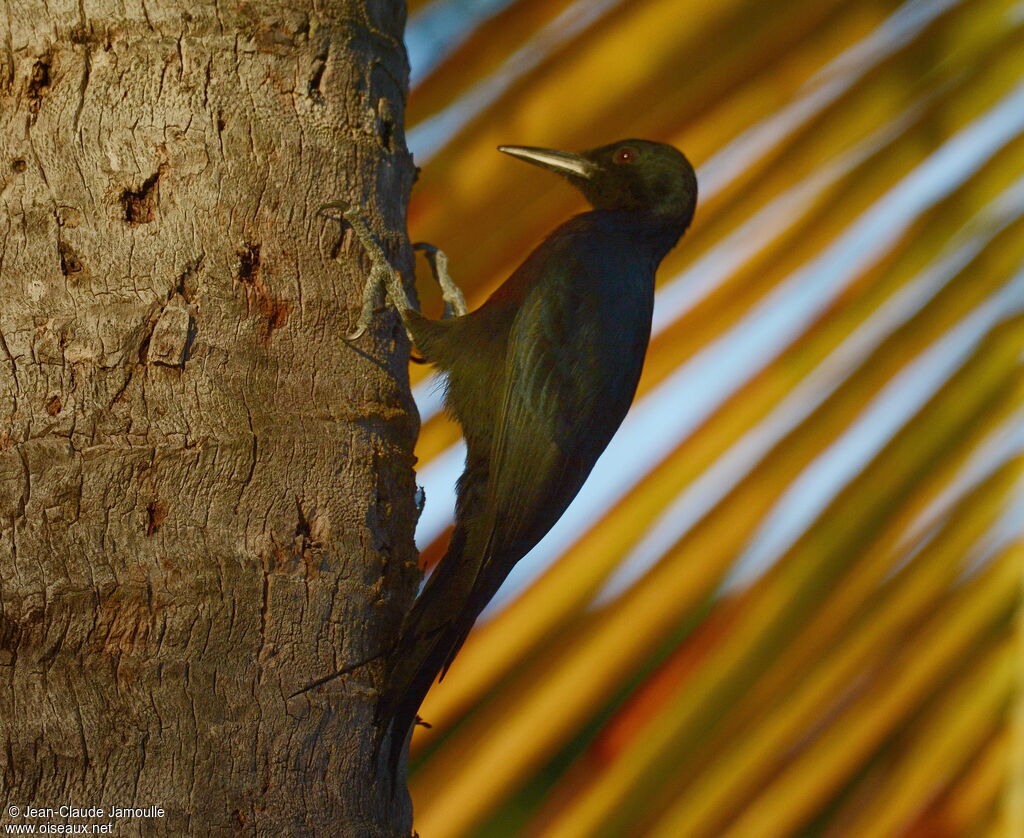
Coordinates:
[206,496]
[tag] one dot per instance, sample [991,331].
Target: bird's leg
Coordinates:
[454,301]
[382,275]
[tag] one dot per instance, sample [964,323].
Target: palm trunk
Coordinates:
[206,496]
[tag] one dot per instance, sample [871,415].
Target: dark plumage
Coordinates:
[539,378]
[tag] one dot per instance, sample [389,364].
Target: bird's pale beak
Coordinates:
[563,162]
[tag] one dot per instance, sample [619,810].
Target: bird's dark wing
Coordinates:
[575,351]
[544,425]
[568,386]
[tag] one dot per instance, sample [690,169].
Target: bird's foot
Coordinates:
[454,300]
[382,275]
[338,206]
[371,301]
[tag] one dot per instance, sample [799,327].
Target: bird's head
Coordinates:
[628,175]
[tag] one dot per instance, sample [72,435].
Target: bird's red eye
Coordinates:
[624,155]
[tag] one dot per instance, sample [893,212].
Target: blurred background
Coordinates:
[786,602]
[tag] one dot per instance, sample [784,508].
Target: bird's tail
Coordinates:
[431,636]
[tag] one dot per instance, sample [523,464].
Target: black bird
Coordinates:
[540,378]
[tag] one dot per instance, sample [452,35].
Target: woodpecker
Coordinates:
[539,377]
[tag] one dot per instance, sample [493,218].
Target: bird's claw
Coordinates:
[378,263]
[354,216]
[371,295]
[382,275]
[341,206]
[455,301]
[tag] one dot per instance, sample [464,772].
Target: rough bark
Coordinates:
[206,497]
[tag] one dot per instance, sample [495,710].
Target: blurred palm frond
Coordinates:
[791,606]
